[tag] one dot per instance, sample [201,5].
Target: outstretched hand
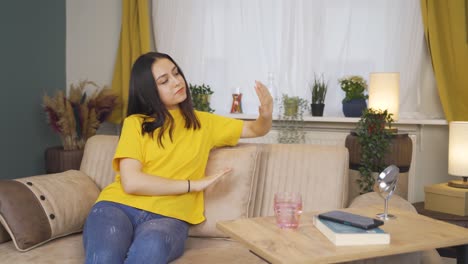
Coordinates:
[202,184]
[266,100]
[262,124]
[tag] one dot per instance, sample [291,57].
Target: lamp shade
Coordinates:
[384,92]
[458,149]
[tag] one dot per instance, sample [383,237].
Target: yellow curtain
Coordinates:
[446,29]
[135,39]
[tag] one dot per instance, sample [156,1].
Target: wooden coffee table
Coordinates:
[410,232]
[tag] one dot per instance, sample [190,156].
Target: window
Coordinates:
[230,43]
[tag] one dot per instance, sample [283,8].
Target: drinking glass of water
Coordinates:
[288,209]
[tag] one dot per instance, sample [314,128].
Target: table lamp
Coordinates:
[452,198]
[458,153]
[384,92]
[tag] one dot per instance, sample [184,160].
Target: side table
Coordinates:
[449,218]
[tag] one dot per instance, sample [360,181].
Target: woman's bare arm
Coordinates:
[134,181]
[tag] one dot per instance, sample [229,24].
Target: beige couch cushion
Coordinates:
[69,250]
[37,209]
[66,250]
[229,198]
[319,173]
[373,198]
[97,159]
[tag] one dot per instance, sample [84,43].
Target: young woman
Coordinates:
[144,215]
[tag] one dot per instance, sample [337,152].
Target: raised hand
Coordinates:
[266,100]
[262,124]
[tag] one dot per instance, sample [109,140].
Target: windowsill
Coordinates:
[330,119]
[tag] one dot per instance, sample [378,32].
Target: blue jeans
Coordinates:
[115,233]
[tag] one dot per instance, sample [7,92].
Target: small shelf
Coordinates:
[329,119]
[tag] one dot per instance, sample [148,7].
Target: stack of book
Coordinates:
[346,235]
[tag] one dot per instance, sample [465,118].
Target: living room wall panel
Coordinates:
[32,63]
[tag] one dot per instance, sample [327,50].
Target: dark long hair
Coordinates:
[143,98]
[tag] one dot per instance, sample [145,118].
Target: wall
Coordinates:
[32,53]
[432,165]
[93,32]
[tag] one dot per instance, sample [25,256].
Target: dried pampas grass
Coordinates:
[78,117]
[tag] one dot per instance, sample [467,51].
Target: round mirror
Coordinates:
[385,185]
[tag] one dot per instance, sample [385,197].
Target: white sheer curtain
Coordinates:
[230,43]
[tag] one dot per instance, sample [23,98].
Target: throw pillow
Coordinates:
[229,198]
[35,210]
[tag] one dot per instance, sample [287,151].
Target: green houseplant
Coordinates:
[374,136]
[354,102]
[201,95]
[290,121]
[318,91]
[293,106]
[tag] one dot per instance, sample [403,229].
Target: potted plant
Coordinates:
[201,95]
[293,106]
[354,102]
[290,121]
[318,90]
[75,118]
[374,136]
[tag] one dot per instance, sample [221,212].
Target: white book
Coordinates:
[345,235]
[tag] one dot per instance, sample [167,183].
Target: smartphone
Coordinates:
[355,220]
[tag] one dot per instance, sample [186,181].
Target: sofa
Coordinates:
[45,214]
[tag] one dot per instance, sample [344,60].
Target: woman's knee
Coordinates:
[152,247]
[107,219]
[107,233]
[161,239]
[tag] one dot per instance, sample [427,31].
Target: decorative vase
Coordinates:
[58,160]
[354,107]
[317,109]
[236,107]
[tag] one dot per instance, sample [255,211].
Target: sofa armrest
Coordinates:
[37,209]
[372,198]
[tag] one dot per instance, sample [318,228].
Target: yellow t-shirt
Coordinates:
[183,158]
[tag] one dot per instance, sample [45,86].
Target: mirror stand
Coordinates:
[385,186]
[385,215]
